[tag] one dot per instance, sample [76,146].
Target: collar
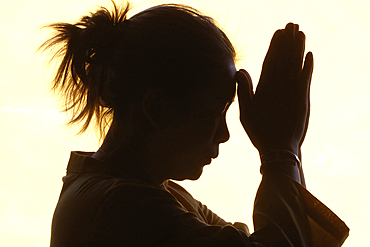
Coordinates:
[82,162]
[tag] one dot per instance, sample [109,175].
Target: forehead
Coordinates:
[220,89]
[224,83]
[213,88]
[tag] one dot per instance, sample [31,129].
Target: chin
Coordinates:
[193,176]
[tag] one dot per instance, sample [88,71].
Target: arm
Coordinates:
[275,118]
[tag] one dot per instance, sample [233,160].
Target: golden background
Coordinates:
[35,145]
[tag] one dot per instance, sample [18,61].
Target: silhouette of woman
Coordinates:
[162,82]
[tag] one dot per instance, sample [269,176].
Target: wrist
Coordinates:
[279,155]
[295,149]
[282,161]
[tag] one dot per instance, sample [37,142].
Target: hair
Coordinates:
[108,59]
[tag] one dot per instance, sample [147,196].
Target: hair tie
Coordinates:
[89,56]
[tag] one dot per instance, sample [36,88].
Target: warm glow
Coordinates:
[35,145]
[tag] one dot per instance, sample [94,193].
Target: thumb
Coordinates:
[245,92]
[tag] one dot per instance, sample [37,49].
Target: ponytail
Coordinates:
[87,48]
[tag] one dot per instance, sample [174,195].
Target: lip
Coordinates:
[209,161]
[214,156]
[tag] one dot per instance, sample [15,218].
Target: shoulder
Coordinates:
[134,192]
[96,204]
[137,209]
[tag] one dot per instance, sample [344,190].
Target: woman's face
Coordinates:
[193,143]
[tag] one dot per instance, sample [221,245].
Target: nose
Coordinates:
[222,134]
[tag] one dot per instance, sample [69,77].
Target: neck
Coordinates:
[129,153]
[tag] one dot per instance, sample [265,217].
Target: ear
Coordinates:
[154,107]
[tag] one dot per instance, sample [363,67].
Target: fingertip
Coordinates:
[289,25]
[296,27]
[308,66]
[238,76]
[301,35]
[309,58]
[245,72]
[277,33]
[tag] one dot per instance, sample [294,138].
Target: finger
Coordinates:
[269,64]
[300,43]
[297,57]
[286,53]
[272,51]
[292,28]
[245,91]
[306,74]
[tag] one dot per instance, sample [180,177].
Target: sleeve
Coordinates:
[200,210]
[285,214]
[147,216]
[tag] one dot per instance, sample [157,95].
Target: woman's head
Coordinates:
[166,75]
[110,61]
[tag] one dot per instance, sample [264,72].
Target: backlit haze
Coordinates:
[35,144]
